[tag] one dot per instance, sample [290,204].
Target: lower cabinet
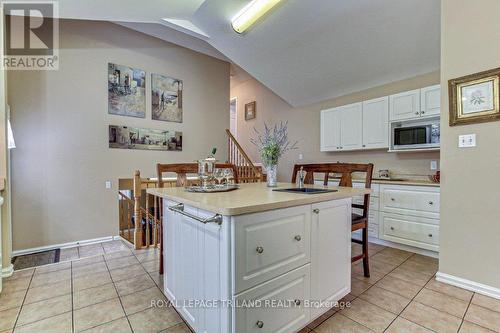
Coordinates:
[277,305]
[281,269]
[331,236]
[414,231]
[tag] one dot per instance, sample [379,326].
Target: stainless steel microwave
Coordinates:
[419,135]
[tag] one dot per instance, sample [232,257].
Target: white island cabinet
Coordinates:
[256,260]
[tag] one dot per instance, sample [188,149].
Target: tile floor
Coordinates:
[108,287]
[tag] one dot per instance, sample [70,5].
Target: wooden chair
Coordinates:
[346,170]
[181,170]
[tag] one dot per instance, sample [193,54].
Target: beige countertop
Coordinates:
[252,198]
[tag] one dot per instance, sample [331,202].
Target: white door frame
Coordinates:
[235,99]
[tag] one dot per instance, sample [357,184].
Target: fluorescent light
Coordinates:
[251,13]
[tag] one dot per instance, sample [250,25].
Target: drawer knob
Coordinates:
[260,249]
[392,199]
[260,324]
[430,235]
[298,238]
[417,113]
[297,302]
[316,211]
[431,203]
[392,228]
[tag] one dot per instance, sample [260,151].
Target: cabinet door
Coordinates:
[351,123]
[405,105]
[376,123]
[430,101]
[330,130]
[331,253]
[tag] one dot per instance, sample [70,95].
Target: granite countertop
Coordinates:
[253,197]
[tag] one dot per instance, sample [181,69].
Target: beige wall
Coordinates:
[304,124]
[470,191]
[61,123]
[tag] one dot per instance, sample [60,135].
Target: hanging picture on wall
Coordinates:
[126,137]
[475,98]
[166,98]
[126,91]
[250,110]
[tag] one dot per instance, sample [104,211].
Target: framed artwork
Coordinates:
[166,98]
[475,98]
[126,91]
[250,110]
[126,137]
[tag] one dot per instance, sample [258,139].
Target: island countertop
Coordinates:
[253,197]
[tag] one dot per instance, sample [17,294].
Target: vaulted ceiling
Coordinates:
[305,51]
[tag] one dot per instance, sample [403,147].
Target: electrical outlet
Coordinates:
[108,184]
[434,165]
[301,157]
[467,141]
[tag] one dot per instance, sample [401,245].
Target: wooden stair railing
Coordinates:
[137,208]
[247,171]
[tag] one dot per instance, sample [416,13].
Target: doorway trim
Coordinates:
[235,99]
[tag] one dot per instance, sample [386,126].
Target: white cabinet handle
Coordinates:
[298,238]
[316,211]
[259,249]
[260,324]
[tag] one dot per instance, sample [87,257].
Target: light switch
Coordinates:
[301,157]
[434,165]
[108,184]
[467,141]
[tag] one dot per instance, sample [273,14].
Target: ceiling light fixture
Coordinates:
[251,13]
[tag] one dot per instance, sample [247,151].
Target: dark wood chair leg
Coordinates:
[366,257]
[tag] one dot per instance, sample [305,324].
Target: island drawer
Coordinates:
[278,304]
[414,231]
[408,200]
[266,245]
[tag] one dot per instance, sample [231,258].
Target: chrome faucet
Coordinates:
[302,176]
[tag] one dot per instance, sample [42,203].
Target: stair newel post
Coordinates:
[137,210]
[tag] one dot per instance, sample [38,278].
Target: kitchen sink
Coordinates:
[305,190]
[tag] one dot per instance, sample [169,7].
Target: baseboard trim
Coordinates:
[469,285]
[8,271]
[65,245]
[403,247]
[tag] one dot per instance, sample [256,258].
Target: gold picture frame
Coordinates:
[475,98]
[250,110]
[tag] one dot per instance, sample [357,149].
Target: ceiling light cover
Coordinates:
[251,13]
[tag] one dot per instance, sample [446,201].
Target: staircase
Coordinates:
[247,172]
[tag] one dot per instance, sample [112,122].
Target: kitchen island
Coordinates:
[254,259]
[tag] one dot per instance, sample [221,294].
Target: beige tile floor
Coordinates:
[108,287]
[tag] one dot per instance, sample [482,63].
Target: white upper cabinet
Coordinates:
[430,101]
[351,120]
[405,105]
[376,123]
[330,130]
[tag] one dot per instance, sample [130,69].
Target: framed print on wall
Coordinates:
[126,91]
[166,98]
[250,109]
[475,98]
